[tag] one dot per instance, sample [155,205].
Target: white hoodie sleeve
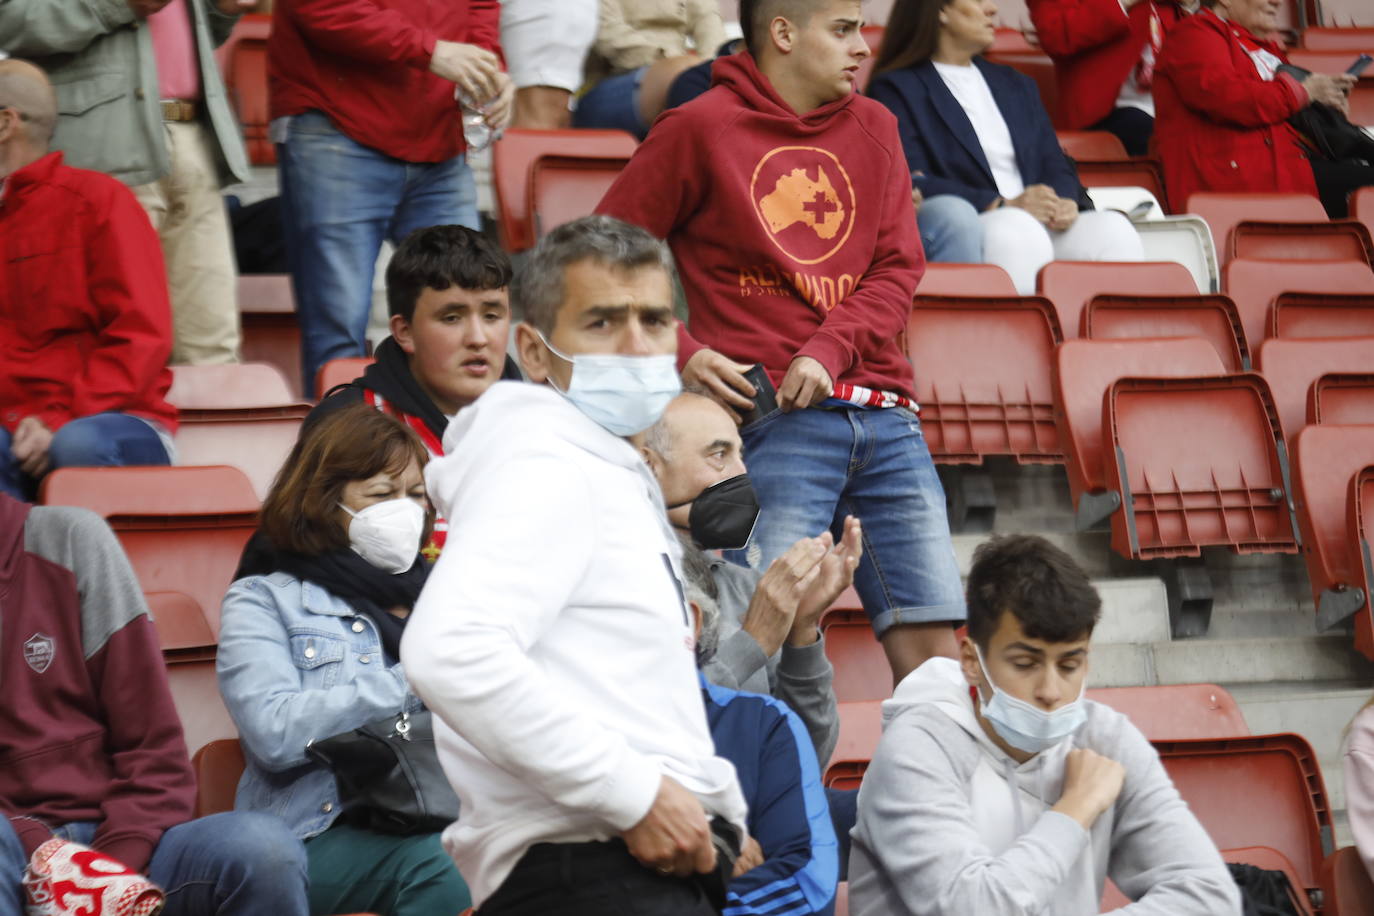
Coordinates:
[915,818]
[486,603]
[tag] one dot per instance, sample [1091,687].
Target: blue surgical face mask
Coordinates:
[1025,726]
[624,394]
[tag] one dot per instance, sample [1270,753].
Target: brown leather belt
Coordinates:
[179,110]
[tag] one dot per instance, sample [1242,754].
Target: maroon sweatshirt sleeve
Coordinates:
[877,310]
[364,30]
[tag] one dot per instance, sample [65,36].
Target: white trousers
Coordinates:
[1019,244]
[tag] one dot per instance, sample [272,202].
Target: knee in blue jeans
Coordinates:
[79,444]
[257,849]
[950,230]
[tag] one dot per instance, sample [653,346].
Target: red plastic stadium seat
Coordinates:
[1291,366]
[1346,884]
[1090,144]
[965,280]
[1324,240]
[1297,315]
[1223,210]
[1070,284]
[1176,711]
[340,372]
[180,623]
[1011,41]
[1038,67]
[218,766]
[271,334]
[564,188]
[1358,40]
[861,725]
[243,63]
[1362,207]
[1341,399]
[1199,463]
[514,155]
[1327,462]
[1136,171]
[1322,61]
[1222,780]
[842,899]
[1253,286]
[999,403]
[1213,318]
[241,415]
[1085,369]
[195,693]
[861,668]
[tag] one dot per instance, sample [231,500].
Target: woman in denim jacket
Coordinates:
[309,648]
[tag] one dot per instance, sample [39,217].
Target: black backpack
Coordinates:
[1264,892]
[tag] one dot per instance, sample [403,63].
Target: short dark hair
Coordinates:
[754,16]
[911,36]
[537,291]
[1034,581]
[353,443]
[438,257]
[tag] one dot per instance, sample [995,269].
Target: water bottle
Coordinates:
[475,130]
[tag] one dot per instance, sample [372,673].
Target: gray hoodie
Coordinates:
[950,825]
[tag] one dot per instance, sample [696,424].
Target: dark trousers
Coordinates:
[592,879]
[1336,181]
[1132,127]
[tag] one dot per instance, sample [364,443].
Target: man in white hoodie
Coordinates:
[997,788]
[552,640]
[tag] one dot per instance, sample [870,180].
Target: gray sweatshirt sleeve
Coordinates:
[805,682]
[737,659]
[1161,857]
[916,824]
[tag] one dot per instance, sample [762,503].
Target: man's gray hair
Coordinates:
[536,293]
[700,589]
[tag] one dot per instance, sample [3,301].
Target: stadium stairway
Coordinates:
[1262,644]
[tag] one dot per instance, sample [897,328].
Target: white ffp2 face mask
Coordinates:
[387,534]
[1025,726]
[623,394]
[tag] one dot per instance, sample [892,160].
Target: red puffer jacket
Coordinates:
[1219,126]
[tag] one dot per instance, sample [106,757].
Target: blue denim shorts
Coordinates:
[613,104]
[811,468]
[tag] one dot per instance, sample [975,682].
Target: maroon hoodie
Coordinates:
[794,234]
[88,731]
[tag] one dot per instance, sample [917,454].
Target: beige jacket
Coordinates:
[635,33]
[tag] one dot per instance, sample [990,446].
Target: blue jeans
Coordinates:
[340,200]
[613,103]
[950,230]
[231,864]
[100,440]
[811,468]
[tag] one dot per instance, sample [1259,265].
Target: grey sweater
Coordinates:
[950,825]
[802,677]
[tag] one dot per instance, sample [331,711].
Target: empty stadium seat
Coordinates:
[1291,366]
[1317,38]
[1253,286]
[861,668]
[1039,68]
[965,280]
[982,368]
[1090,144]
[218,766]
[1176,711]
[243,64]
[1212,317]
[1346,885]
[564,188]
[1362,207]
[861,725]
[271,333]
[1327,461]
[1223,210]
[1221,780]
[241,415]
[1341,399]
[1070,284]
[1084,370]
[188,652]
[1333,62]
[181,624]
[340,372]
[1325,240]
[1297,315]
[1184,240]
[513,157]
[1199,462]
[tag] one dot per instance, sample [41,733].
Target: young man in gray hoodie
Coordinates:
[997,788]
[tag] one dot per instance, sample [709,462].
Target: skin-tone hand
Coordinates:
[30,445]
[1091,784]
[750,857]
[499,111]
[145,8]
[1330,89]
[1039,200]
[675,836]
[235,7]
[836,575]
[474,70]
[1065,212]
[773,608]
[806,383]
[723,377]
[916,198]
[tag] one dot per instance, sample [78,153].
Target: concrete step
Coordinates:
[1305,659]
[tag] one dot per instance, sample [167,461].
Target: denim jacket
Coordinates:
[297,664]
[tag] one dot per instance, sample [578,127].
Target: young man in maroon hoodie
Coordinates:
[91,750]
[787,203]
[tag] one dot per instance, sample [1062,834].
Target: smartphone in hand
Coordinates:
[765,397]
[1358,67]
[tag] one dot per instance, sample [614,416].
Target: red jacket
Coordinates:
[85,322]
[1218,125]
[794,235]
[88,731]
[1095,45]
[365,64]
